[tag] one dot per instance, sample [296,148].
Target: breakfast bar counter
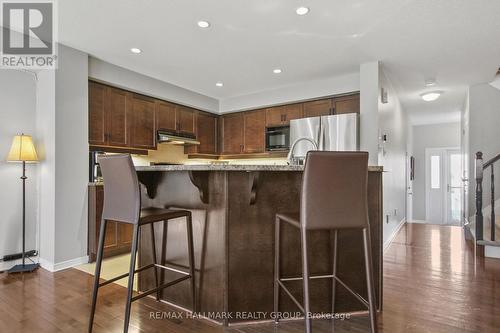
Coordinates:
[233,209]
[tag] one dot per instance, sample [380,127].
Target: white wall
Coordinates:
[127,79]
[392,121]
[484,122]
[429,136]
[62,128]
[71,154]
[464,148]
[369,93]
[17,114]
[45,128]
[296,92]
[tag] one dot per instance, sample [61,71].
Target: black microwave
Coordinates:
[278,138]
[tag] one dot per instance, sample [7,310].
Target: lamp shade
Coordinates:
[22,149]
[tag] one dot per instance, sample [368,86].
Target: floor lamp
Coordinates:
[23,150]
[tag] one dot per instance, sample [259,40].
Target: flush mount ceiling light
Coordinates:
[431,96]
[277,71]
[430,82]
[219,84]
[135,50]
[302,10]
[203,24]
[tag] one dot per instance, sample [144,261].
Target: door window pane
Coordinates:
[435,172]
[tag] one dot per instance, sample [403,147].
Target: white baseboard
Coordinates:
[54,267]
[391,238]
[417,221]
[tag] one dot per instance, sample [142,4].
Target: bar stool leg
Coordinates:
[163,252]
[155,261]
[131,274]
[191,260]
[369,279]
[276,269]
[305,276]
[97,275]
[334,281]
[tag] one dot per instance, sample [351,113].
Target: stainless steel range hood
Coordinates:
[176,138]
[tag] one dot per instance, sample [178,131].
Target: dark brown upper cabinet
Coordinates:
[185,119]
[142,122]
[322,107]
[117,106]
[293,111]
[254,131]
[232,133]
[97,114]
[346,104]
[275,116]
[165,116]
[281,115]
[206,133]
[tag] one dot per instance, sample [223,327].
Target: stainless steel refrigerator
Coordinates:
[334,133]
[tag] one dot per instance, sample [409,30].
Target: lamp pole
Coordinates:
[24,210]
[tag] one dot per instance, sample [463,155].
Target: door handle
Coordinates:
[449,188]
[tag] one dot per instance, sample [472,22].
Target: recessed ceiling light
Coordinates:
[219,84]
[302,10]
[135,50]
[203,24]
[277,71]
[431,96]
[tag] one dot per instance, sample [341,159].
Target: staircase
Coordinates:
[486,227]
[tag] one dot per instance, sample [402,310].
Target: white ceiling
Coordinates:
[454,41]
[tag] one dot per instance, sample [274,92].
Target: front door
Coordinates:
[443,186]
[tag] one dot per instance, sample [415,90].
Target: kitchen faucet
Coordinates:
[291,158]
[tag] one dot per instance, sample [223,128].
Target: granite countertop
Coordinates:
[232,167]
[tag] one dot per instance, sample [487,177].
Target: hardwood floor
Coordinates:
[431,284]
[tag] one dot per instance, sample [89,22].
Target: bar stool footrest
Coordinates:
[165,285]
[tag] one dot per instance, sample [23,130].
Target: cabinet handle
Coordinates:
[241,148]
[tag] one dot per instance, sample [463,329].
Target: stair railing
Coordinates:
[479,173]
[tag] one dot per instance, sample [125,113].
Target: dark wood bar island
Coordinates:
[233,208]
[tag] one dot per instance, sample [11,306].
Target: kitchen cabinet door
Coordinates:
[206,133]
[275,116]
[346,104]
[118,235]
[254,134]
[185,119]
[117,105]
[142,127]
[232,134]
[292,111]
[165,116]
[97,114]
[321,107]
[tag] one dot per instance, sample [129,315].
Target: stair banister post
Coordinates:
[479,195]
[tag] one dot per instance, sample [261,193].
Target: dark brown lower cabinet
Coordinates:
[118,235]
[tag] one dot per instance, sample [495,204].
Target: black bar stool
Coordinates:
[122,203]
[333,197]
